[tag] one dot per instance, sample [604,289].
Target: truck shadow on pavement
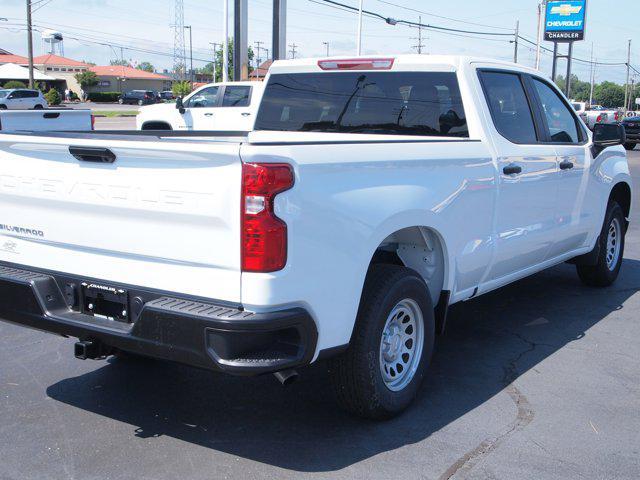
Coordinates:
[489,343]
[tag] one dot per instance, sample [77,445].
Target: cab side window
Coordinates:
[509,106]
[207,97]
[236,96]
[561,123]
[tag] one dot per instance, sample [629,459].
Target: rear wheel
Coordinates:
[38,107]
[392,343]
[121,101]
[629,146]
[3,107]
[611,250]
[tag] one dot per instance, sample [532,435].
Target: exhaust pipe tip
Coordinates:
[286,377]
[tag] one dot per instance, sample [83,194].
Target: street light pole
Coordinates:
[30,43]
[327,45]
[359,41]
[541,13]
[627,94]
[190,51]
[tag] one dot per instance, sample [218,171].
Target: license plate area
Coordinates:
[105,301]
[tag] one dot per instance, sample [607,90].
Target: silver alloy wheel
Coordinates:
[401,344]
[614,236]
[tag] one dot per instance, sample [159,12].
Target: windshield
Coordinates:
[4,93]
[392,103]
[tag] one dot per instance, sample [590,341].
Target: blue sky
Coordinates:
[145,24]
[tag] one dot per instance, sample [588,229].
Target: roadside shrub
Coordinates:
[53,97]
[180,89]
[103,96]
[14,84]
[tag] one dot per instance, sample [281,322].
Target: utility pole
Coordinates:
[258,44]
[567,88]
[359,39]
[293,47]
[627,94]
[190,51]
[592,77]
[326,44]
[515,42]
[420,45]
[541,13]
[225,42]
[30,43]
[215,57]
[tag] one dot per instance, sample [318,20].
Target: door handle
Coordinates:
[566,165]
[246,114]
[512,169]
[208,114]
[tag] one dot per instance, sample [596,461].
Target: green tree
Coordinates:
[122,63]
[579,90]
[609,94]
[208,68]
[180,89]
[146,66]
[86,79]
[53,97]
[14,84]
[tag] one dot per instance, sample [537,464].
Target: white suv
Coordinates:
[22,99]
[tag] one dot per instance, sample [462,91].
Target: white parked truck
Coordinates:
[215,107]
[373,194]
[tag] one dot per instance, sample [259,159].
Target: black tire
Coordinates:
[121,101]
[603,274]
[356,375]
[3,107]
[140,103]
[629,146]
[38,107]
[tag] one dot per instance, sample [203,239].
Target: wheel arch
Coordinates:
[156,125]
[421,248]
[621,193]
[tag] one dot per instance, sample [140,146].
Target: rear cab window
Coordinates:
[388,103]
[236,96]
[509,106]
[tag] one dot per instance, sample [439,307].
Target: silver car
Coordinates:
[22,99]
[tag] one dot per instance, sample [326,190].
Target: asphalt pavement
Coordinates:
[539,380]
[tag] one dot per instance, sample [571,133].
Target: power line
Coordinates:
[440,16]
[394,21]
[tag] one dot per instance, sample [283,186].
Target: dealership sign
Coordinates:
[564,20]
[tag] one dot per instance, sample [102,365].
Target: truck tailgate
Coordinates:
[45,120]
[164,215]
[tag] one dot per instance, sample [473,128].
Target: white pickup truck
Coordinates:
[40,120]
[373,194]
[215,107]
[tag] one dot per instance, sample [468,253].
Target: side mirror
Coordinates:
[180,105]
[607,135]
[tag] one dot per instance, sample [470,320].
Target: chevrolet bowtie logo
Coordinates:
[565,10]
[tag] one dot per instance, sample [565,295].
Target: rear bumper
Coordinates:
[633,136]
[200,333]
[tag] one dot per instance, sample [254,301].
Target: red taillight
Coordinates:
[264,236]
[93,122]
[357,64]
[599,119]
[616,116]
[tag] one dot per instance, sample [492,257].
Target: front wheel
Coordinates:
[38,107]
[611,250]
[629,146]
[391,346]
